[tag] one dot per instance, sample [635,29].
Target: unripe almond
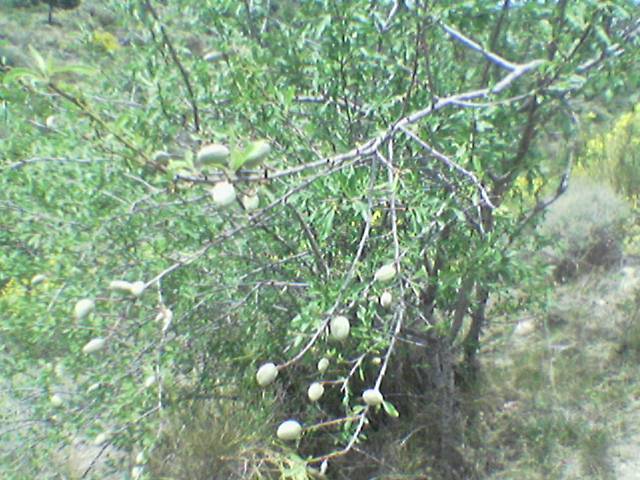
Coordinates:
[136,472]
[93,387]
[161,157]
[101,438]
[140,458]
[223,194]
[120,286]
[372,397]
[251,202]
[385,273]
[386,299]
[213,56]
[37,279]
[212,154]
[316,390]
[149,381]
[323,365]
[94,345]
[52,122]
[318,473]
[339,328]
[137,288]
[83,308]
[166,315]
[524,328]
[289,430]
[267,373]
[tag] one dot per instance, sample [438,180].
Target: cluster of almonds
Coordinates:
[339,328]
[85,306]
[217,155]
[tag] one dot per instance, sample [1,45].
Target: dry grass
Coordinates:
[560,396]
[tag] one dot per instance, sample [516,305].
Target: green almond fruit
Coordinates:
[223,194]
[372,397]
[213,56]
[385,273]
[212,154]
[323,365]
[83,308]
[315,392]
[266,374]
[94,345]
[339,328]
[289,430]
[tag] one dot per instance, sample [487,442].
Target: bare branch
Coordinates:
[467,42]
[452,165]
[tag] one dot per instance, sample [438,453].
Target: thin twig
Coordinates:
[317,254]
[451,164]
[176,59]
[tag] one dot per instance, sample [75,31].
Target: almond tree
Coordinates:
[333,182]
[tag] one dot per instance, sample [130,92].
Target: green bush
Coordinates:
[585,226]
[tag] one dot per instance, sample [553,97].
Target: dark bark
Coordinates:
[442,371]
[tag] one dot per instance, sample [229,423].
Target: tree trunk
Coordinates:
[471,342]
[50,14]
[442,363]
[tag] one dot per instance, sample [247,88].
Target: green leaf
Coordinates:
[19,73]
[253,156]
[78,69]
[390,409]
[39,60]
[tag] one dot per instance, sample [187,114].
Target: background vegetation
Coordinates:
[430,137]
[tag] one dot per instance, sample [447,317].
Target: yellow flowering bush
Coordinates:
[615,155]
[105,41]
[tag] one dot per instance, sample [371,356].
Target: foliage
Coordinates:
[615,155]
[586,227]
[396,131]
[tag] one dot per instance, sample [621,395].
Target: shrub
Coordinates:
[615,155]
[105,41]
[585,226]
